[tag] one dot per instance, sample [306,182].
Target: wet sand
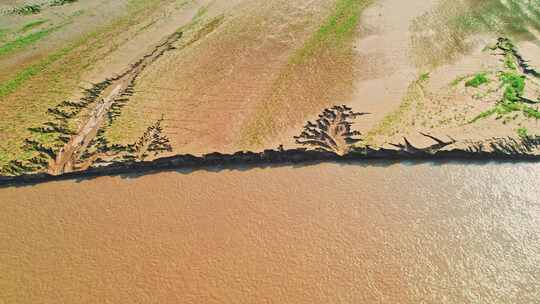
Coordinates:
[325,233]
[384,63]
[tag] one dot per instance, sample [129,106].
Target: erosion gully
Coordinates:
[119,87]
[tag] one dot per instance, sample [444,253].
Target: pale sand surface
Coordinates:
[385,66]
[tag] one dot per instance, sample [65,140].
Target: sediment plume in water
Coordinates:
[325,233]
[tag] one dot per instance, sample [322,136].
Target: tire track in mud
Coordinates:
[116,92]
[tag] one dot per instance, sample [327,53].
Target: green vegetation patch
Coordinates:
[25,41]
[510,62]
[523,132]
[33,24]
[477,81]
[511,81]
[505,108]
[335,31]
[531,112]
[424,77]
[514,86]
[11,85]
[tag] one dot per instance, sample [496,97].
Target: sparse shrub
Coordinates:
[61,2]
[27,9]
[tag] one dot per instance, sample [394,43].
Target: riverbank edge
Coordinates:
[265,159]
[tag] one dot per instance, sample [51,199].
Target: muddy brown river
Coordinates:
[327,233]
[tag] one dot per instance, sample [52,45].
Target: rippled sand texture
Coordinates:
[320,234]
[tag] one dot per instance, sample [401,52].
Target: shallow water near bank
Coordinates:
[325,233]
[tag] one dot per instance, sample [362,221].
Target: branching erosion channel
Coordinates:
[78,150]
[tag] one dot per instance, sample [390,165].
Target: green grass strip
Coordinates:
[3,33]
[505,108]
[11,85]
[25,41]
[338,28]
[32,24]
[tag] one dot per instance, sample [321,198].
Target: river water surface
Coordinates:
[327,233]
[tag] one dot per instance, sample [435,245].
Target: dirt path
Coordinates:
[119,87]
